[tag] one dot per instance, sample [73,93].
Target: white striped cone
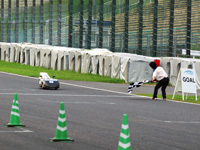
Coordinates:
[14,115]
[61,130]
[124,141]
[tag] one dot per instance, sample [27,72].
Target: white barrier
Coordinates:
[86,61]
[196,66]
[129,67]
[22,54]
[94,63]
[139,69]
[5,54]
[78,60]
[175,65]
[116,66]
[54,59]
[124,65]
[27,55]
[45,57]
[61,55]
[165,63]
[17,51]
[66,60]
[32,56]
[90,60]
[72,60]
[108,64]
[124,68]
[12,53]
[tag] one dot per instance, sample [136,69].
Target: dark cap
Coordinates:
[153,65]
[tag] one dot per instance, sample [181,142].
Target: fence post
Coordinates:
[155,24]
[33,23]
[112,48]
[100,45]
[25,20]
[175,52]
[41,22]
[51,23]
[89,24]
[17,22]
[121,42]
[126,19]
[188,37]
[171,28]
[81,24]
[2,21]
[140,27]
[70,23]
[9,21]
[59,21]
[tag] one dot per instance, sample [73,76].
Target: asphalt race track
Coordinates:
[94,117]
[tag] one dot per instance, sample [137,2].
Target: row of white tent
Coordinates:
[129,67]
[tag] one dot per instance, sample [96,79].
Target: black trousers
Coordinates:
[162,83]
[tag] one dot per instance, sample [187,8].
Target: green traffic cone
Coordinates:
[124,141]
[61,131]
[15,116]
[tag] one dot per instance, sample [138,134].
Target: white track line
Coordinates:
[172,122]
[70,95]
[75,102]
[97,89]
[22,131]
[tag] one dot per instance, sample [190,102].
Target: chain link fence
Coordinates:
[146,27]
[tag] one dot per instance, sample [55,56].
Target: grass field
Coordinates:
[31,71]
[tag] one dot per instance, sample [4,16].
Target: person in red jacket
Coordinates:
[161,77]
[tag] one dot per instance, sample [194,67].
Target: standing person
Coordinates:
[161,77]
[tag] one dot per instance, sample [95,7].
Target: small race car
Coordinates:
[45,82]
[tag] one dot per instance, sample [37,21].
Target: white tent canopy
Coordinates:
[139,69]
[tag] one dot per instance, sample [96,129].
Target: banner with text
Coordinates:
[188,80]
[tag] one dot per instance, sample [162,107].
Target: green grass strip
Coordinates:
[190,99]
[31,71]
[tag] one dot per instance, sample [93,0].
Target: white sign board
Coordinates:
[188,80]
[192,52]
